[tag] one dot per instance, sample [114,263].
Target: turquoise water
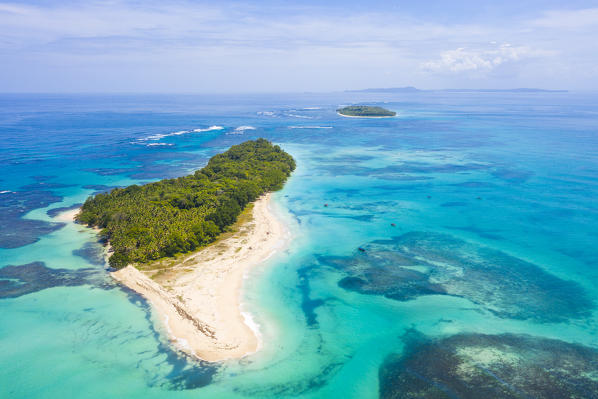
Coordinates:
[492,197]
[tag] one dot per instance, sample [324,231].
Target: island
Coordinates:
[186,244]
[365,111]
[413,90]
[406,89]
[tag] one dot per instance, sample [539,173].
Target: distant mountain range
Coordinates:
[408,89]
[411,89]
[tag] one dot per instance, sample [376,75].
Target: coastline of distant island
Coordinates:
[365,111]
[411,89]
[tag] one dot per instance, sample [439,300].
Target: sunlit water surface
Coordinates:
[477,213]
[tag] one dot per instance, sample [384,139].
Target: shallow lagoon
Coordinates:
[493,197]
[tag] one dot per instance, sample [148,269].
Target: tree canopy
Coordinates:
[365,110]
[160,219]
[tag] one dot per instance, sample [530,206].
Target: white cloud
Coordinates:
[480,60]
[206,46]
[198,24]
[568,19]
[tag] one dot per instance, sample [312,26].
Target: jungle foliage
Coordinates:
[155,220]
[365,110]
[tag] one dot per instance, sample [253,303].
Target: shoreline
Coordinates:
[69,217]
[197,299]
[371,117]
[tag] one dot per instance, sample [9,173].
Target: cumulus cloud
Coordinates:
[463,59]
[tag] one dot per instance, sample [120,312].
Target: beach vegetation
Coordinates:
[147,222]
[365,111]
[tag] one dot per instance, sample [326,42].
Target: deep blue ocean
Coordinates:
[477,214]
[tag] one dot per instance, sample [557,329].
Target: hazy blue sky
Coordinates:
[222,46]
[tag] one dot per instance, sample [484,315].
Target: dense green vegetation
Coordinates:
[148,222]
[364,110]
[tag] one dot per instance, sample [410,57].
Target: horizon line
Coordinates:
[520,90]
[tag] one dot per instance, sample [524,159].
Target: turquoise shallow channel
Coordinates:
[476,215]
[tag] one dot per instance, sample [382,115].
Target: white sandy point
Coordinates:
[202,306]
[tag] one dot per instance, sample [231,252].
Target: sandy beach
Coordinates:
[371,117]
[198,298]
[67,216]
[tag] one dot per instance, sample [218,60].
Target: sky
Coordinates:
[136,46]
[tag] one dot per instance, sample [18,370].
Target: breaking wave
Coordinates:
[158,136]
[241,129]
[215,127]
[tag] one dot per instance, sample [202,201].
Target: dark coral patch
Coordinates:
[93,252]
[57,211]
[308,305]
[473,366]
[16,281]
[416,264]
[45,186]
[14,230]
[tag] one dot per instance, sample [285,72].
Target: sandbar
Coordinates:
[198,296]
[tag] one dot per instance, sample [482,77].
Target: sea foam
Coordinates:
[241,129]
[158,136]
[214,127]
[299,116]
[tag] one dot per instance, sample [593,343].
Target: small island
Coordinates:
[365,111]
[186,244]
[171,216]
